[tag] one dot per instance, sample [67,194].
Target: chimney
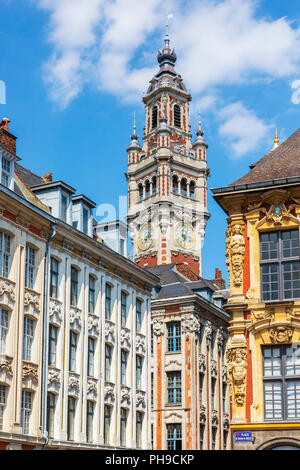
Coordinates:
[47,178]
[7,139]
[219,281]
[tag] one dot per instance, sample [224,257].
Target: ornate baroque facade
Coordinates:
[262,250]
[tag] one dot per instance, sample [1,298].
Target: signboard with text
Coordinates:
[243,436]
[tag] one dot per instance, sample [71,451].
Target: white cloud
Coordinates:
[296,95]
[242,130]
[217,43]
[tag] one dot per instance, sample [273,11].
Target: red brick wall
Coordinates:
[8,140]
[150,261]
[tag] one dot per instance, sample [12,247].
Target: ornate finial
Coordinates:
[276,141]
[168,17]
[4,124]
[199,131]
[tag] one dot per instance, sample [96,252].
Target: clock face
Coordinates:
[185,236]
[145,237]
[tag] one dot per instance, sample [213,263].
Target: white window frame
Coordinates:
[4,326]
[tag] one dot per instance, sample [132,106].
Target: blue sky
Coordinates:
[76,70]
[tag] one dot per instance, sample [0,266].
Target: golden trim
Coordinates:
[264,426]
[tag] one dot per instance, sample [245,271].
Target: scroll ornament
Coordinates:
[235,253]
[237,370]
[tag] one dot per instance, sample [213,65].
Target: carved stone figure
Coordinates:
[237,370]
[158,327]
[235,253]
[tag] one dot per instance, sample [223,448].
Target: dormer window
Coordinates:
[6,169]
[64,207]
[85,220]
[177,116]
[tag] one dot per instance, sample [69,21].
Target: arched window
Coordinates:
[154,186]
[140,187]
[177,116]
[147,186]
[175,184]
[154,117]
[183,187]
[192,190]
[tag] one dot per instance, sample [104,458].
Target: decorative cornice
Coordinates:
[55,311]
[109,331]
[73,384]
[109,393]
[140,343]
[93,325]
[75,318]
[32,298]
[30,371]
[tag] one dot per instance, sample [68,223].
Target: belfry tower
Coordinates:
[167,191]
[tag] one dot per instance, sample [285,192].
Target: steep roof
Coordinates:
[282,162]
[29,178]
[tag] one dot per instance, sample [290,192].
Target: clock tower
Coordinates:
[167,176]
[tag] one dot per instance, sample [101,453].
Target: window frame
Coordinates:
[52,350]
[172,438]
[283,378]
[139,315]
[5,254]
[73,351]
[92,294]
[108,302]
[280,261]
[91,357]
[124,295]
[30,267]
[28,338]
[108,361]
[54,275]
[74,286]
[3,402]
[26,411]
[51,414]
[174,338]
[174,388]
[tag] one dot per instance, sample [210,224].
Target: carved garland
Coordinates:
[235,253]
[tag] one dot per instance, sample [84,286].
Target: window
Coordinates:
[50,414]
[201,380]
[123,426]
[175,184]
[71,418]
[85,220]
[281,377]
[5,242]
[141,192]
[28,339]
[213,390]
[91,356]
[147,189]
[152,339]
[30,267]
[52,344]
[107,417]
[280,265]
[74,286]
[108,357]
[124,357]
[26,409]
[91,294]
[122,247]
[5,172]
[54,278]
[64,207]
[173,337]
[213,438]
[154,186]
[107,302]
[73,350]
[224,397]
[174,437]
[177,116]
[89,420]
[192,190]
[212,344]
[183,187]
[152,389]
[138,315]
[154,117]
[225,438]
[139,368]
[202,429]
[4,322]
[123,308]
[174,388]
[139,425]
[2,405]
